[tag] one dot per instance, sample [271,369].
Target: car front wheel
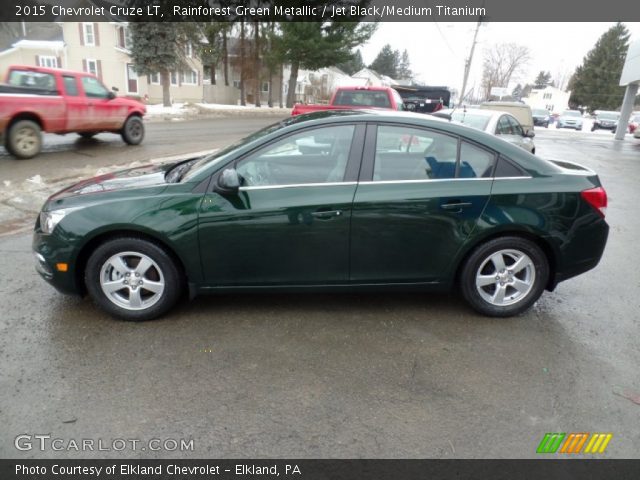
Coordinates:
[504,276]
[133,130]
[133,279]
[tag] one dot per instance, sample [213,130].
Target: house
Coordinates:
[100,48]
[548,98]
[31,43]
[374,79]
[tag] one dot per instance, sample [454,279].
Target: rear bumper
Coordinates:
[583,253]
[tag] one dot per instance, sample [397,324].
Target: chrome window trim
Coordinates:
[297,185]
[429,180]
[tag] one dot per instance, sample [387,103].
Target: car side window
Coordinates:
[319,155]
[93,88]
[404,153]
[516,128]
[70,86]
[475,162]
[504,127]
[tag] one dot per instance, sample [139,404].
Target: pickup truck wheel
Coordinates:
[133,130]
[24,139]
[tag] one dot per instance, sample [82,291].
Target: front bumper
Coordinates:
[49,251]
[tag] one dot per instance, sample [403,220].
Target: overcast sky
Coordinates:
[438,50]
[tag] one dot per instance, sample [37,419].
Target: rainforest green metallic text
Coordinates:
[352,229]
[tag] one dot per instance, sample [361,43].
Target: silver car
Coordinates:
[570,119]
[495,122]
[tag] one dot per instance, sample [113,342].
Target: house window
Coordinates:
[189,77]
[155,78]
[236,83]
[265,87]
[47,61]
[89,34]
[546,96]
[123,37]
[174,78]
[188,50]
[91,66]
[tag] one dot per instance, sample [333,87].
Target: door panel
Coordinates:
[289,223]
[271,236]
[410,221]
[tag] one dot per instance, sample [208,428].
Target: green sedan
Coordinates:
[325,202]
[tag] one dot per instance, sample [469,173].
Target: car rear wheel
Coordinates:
[504,276]
[133,130]
[24,139]
[133,279]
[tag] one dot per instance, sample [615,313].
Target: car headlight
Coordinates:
[49,220]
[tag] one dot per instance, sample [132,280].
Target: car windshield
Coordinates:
[471,119]
[539,111]
[608,116]
[193,168]
[571,113]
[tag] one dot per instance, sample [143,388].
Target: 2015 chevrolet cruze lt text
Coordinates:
[329,201]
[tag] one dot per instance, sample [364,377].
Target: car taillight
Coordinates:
[597,198]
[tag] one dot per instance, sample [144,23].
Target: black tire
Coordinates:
[133,130]
[24,139]
[87,135]
[162,270]
[479,265]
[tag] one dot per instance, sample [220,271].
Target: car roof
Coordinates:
[475,111]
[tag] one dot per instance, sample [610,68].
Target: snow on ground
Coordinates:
[182,110]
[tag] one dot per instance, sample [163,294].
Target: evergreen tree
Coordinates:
[386,62]
[353,64]
[517,92]
[542,80]
[158,48]
[595,83]
[404,67]
[313,45]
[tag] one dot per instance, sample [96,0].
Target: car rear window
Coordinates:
[362,98]
[476,121]
[29,79]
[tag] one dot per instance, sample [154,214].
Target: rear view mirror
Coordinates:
[111,95]
[530,133]
[228,182]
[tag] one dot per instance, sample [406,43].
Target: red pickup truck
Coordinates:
[350,98]
[37,99]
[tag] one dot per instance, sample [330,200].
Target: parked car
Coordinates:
[385,200]
[520,111]
[636,133]
[541,117]
[605,121]
[494,122]
[37,99]
[354,98]
[570,119]
[634,122]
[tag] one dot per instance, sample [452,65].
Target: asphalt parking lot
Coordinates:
[339,376]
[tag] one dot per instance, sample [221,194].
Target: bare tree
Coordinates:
[502,62]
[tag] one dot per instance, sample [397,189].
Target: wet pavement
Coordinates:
[352,375]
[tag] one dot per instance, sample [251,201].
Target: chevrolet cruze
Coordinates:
[324,202]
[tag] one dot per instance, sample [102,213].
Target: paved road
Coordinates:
[385,375]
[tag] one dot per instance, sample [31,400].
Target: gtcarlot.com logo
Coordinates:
[44,442]
[574,442]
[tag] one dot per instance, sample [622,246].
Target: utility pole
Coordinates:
[467,64]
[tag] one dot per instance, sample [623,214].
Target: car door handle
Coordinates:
[455,207]
[326,214]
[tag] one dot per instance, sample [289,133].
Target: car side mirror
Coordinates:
[530,133]
[228,182]
[111,95]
